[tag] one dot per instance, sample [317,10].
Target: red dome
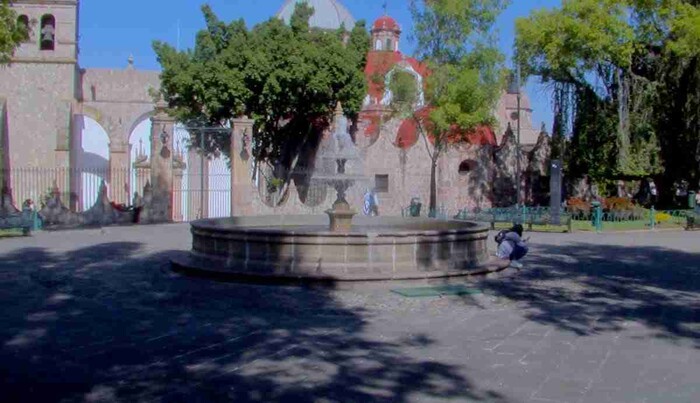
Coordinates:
[386,23]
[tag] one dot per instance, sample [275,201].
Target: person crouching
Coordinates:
[511,246]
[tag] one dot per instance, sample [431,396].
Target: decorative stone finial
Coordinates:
[161,105]
[544,128]
[130,60]
[338,109]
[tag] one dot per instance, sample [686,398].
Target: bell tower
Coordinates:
[53,31]
[40,86]
[385,35]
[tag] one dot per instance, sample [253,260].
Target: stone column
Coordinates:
[119,172]
[162,164]
[241,159]
[63,170]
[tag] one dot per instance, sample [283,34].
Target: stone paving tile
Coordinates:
[97,316]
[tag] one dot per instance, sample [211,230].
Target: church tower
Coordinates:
[40,85]
[385,35]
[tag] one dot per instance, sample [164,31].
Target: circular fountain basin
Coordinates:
[302,248]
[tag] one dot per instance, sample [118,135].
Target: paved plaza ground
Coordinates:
[96,315]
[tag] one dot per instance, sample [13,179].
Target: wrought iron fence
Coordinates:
[596,219]
[77,187]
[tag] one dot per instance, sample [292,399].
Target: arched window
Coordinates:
[48,32]
[466,166]
[389,45]
[23,24]
[378,45]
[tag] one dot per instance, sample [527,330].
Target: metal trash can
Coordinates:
[691,199]
[415,207]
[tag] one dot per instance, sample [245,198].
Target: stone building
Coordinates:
[45,96]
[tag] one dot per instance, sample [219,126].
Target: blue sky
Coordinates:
[110,31]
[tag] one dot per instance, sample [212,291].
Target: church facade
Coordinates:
[45,96]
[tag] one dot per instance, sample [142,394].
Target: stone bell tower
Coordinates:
[40,85]
[386,33]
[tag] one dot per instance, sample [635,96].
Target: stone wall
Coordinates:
[468,176]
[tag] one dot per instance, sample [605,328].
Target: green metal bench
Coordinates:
[528,216]
[27,220]
[692,221]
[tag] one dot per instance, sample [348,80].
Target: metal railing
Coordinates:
[78,188]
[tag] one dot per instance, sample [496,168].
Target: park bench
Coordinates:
[26,220]
[528,216]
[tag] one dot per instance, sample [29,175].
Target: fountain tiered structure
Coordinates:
[333,159]
[338,246]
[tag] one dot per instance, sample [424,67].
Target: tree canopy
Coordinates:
[12,33]
[288,78]
[455,40]
[625,77]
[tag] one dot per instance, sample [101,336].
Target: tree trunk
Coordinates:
[432,208]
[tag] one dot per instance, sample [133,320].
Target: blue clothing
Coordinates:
[512,247]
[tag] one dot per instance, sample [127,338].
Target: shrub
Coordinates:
[618,204]
[578,206]
[662,218]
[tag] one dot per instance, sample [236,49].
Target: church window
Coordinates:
[389,45]
[23,24]
[378,45]
[466,166]
[48,32]
[381,183]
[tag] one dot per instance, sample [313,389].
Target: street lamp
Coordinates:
[515,89]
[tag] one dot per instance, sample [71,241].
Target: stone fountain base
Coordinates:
[341,217]
[301,248]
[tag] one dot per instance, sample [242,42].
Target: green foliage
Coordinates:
[633,67]
[11,33]
[446,30]
[405,92]
[466,75]
[288,78]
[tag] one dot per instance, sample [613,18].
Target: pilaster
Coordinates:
[162,130]
[241,159]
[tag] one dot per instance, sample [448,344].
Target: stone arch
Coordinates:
[91,161]
[23,21]
[94,114]
[466,166]
[139,120]
[407,68]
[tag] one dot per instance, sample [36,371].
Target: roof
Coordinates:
[328,14]
[386,23]
[408,133]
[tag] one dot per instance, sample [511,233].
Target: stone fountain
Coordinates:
[338,246]
[334,155]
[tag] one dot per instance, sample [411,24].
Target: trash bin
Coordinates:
[597,215]
[414,208]
[691,199]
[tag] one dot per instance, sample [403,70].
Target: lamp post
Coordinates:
[517,146]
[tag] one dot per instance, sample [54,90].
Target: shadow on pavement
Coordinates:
[111,323]
[592,288]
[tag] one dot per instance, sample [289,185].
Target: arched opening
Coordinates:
[92,162]
[378,45]
[389,45]
[48,33]
[466,166]
[23,25]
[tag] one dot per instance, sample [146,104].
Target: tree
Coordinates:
[625,78]
[12,33]
[288,78]
[465,79]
